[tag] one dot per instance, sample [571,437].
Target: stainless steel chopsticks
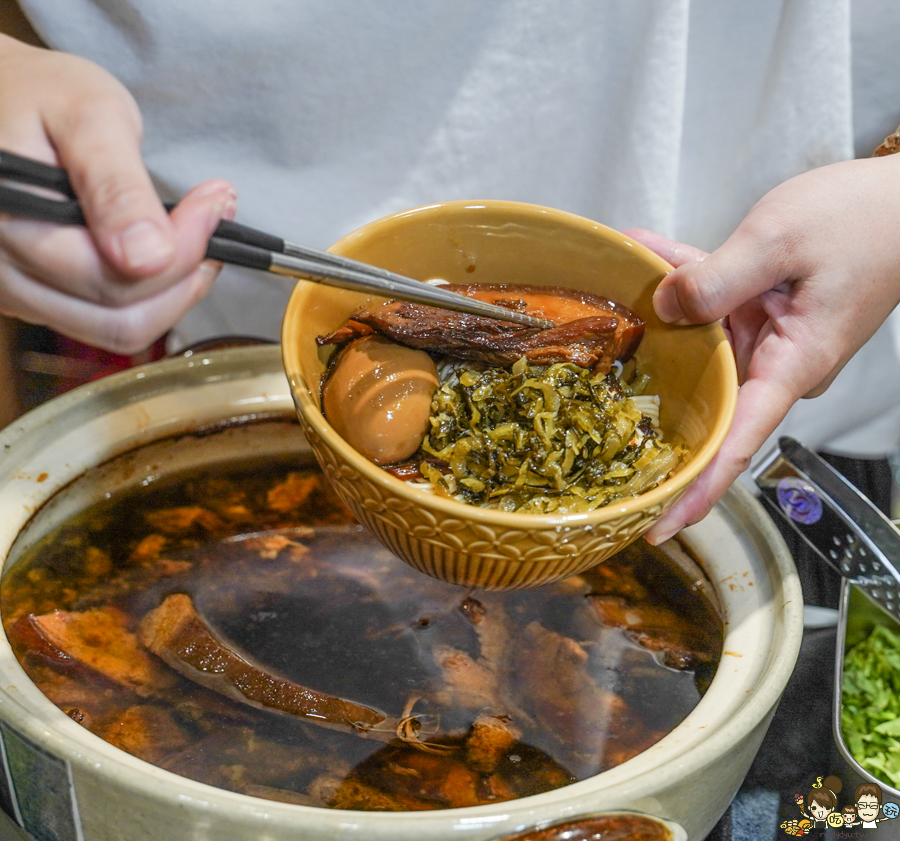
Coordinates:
[243,246]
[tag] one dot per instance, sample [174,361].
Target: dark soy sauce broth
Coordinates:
[575,677]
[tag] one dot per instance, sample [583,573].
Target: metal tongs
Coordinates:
[835,519]
[243,246]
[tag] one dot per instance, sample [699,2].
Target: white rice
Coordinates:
[422,485]
[648,404]
[447,371]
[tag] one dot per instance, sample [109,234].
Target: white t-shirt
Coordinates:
[673,115]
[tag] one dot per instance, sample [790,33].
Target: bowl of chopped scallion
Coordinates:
[867,702]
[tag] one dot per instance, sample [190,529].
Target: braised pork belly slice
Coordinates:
[95,639]
[681,644]
[593,721]
[482,683]
[177,634]
[467,683]
[591,332]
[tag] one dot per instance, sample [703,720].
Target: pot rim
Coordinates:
[52,728]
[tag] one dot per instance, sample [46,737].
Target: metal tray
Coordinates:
[858,616]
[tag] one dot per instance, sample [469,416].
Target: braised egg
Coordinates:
[378,398]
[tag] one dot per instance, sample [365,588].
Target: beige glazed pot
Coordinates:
[59,781]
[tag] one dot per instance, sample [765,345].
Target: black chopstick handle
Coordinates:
[27,171]
[31,206]
[248,236]
[227,229]
[238,254]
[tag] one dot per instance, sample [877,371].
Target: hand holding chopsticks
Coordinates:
[239,245]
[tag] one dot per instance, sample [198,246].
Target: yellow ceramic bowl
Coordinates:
[692,369]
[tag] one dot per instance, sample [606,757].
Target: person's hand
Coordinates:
[128,277]
[802,284]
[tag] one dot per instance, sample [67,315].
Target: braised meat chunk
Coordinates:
[569,703]
[591,332]
[95,639]
[681,644]
[145,731]
[192,638]
[178,635]
[490,739]
[236,758]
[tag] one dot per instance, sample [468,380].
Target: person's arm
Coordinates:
[128,277]
[805,280]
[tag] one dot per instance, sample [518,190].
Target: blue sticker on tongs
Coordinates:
[799,500]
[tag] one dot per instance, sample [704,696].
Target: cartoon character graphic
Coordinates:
[820,808]
[868,806]
[797,827]
[849,817]
[822,802]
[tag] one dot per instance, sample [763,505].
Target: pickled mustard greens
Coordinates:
[543,439]
[870,714]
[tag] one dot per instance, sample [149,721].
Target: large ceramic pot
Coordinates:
[60,782]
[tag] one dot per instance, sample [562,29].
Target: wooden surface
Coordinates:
[9,396]
[14,23]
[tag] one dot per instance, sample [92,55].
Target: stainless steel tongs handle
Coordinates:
[835,519]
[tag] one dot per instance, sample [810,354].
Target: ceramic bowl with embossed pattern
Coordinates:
[691,368]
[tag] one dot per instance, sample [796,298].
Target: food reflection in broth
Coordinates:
[331,674]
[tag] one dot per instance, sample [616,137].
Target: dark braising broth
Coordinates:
[252,580]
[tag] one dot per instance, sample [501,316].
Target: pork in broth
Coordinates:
[237,627]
